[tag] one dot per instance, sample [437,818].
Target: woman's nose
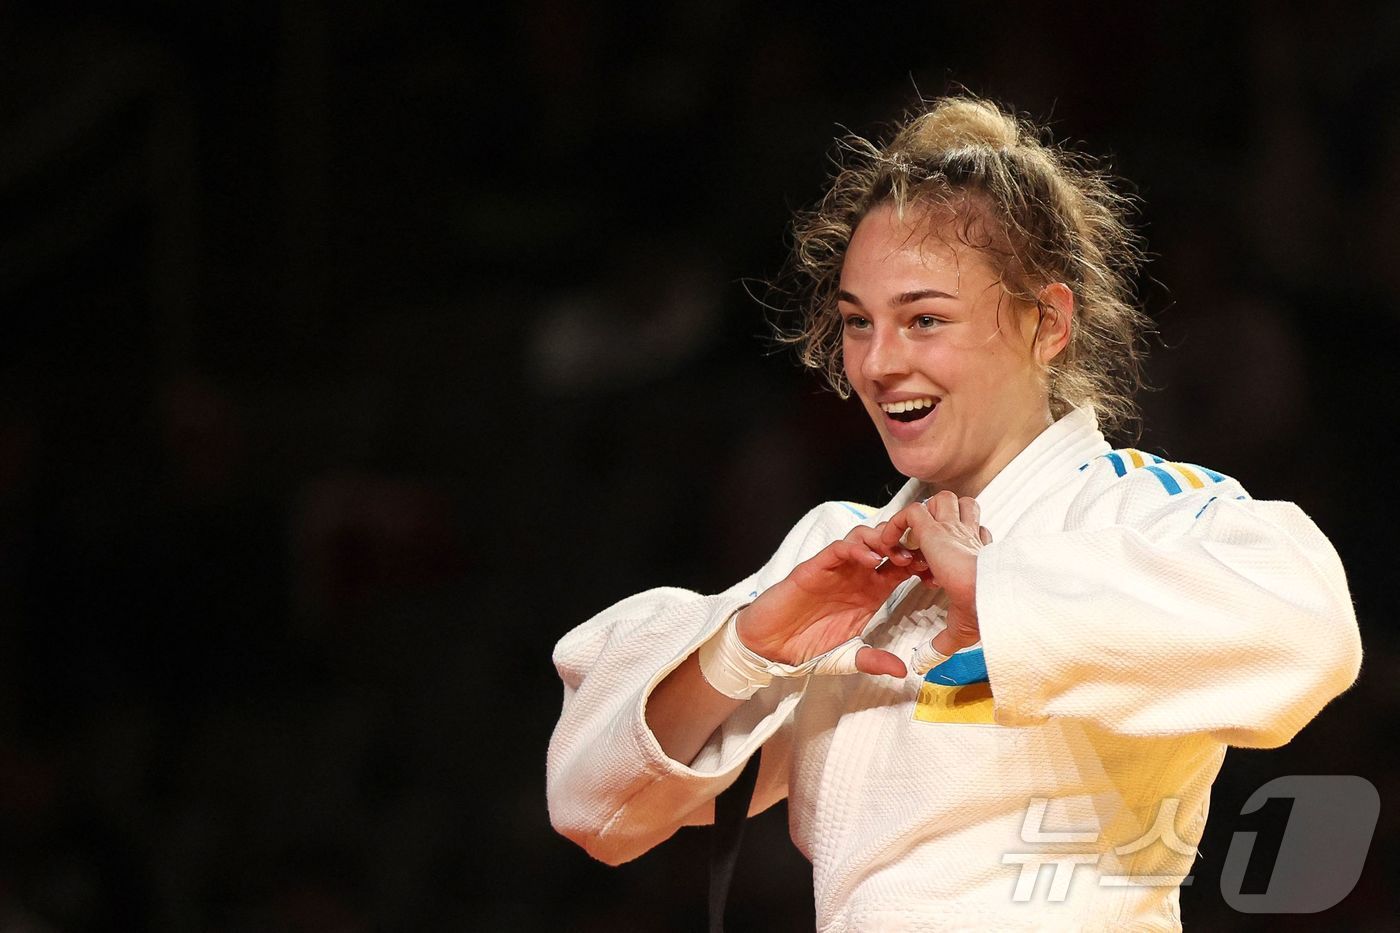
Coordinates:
[885,358]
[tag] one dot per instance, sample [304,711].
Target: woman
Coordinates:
[1037,652]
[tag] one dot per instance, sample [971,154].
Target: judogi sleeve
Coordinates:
[610,786]
[1172,603]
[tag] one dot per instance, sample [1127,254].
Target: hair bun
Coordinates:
[961,122]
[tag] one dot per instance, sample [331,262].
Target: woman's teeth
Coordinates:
[910,410]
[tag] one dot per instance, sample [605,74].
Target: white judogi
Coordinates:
[1137,617]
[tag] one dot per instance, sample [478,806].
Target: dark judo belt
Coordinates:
[731,809]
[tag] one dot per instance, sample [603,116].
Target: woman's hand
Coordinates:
[947,534]
[829,599]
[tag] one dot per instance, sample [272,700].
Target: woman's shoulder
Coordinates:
[1129,483]
[1173,476]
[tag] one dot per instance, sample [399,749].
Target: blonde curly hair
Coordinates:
[1040,214]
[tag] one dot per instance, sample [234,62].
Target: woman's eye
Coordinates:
[926,320]
[856,323]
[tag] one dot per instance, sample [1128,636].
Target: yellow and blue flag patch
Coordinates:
[956,691]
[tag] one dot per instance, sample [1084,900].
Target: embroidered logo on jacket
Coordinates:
[956,691]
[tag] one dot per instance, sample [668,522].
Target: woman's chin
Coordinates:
[921,468]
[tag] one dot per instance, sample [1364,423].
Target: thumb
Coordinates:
[875,661]
[856,656]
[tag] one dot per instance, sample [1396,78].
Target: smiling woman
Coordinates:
[1039,638]
[1036,215]
[953,371]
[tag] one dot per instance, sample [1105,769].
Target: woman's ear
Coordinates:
[1056,304]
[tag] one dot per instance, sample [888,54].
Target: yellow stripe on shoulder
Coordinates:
[1173,477]
[1169,473]
[1190,474]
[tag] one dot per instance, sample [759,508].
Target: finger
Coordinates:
[859,532]
[985,534]
[925,658]
[944,506]
[916,567]
[892,531]
[872,539]
[969,512]
[876,661]
[857,552]
[905,528]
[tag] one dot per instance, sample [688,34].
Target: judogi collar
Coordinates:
[1046,462]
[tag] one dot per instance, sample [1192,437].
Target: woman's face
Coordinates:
[938,354]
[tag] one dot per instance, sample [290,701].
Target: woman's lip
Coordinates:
[908,430]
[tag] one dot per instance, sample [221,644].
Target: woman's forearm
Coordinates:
[684,711]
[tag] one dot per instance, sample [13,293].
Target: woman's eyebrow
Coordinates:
[908,298]
[903,298]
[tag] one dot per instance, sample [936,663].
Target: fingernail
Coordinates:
[904,553]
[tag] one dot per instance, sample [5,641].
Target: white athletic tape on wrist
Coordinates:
[738,672]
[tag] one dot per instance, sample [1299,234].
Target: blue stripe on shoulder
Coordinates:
[855,511]
[1207,505]
[965,667]
[1168,481]
[1214,476]
[1158,467]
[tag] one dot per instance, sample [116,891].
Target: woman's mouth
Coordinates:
[909,410]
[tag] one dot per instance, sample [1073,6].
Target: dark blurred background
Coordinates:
[353,355]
